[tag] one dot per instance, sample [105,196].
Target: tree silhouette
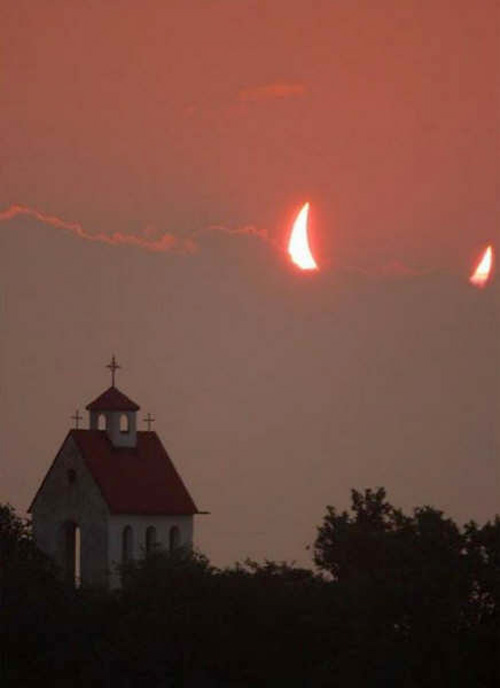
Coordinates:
[399,599]
[416,583]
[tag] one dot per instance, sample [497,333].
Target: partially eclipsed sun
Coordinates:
[298,246]
[484,270]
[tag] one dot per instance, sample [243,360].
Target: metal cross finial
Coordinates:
[77,418]
[113,366]
[149,419]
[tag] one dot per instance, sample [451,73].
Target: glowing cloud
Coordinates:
[248,230]
[148,240]
[165,242]
[484,270]
[298,245]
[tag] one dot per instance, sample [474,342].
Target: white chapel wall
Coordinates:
[79,501]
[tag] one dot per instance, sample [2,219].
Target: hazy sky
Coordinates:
[153,156]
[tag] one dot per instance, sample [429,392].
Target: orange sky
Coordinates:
[200,128]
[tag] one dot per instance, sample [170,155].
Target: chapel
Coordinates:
[112,494]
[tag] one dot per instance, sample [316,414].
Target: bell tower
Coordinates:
[115,413]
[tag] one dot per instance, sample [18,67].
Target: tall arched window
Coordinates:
[72,553]
[101,422]
[150,539]
[124,424]
[127,544]
[174,538]
[78,557]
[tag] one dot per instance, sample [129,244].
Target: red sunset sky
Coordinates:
[153,157]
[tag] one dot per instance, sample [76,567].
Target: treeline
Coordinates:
[397,600]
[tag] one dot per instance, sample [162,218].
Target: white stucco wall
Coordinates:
[139,524]
[80,502]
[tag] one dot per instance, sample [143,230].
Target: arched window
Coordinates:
[150,539]
[127,544]
[78,557]
[124,424]
[101,422]
[174,538]
[72,553]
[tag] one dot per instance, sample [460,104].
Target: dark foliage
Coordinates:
[398,600]
[39,616]
[419,586]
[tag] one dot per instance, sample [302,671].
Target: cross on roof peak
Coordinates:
[113,366]
[77,418]
[149,419]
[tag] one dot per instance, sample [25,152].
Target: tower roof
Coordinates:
[112,400]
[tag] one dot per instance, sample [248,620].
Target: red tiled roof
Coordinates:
[112,400]
[138,480]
